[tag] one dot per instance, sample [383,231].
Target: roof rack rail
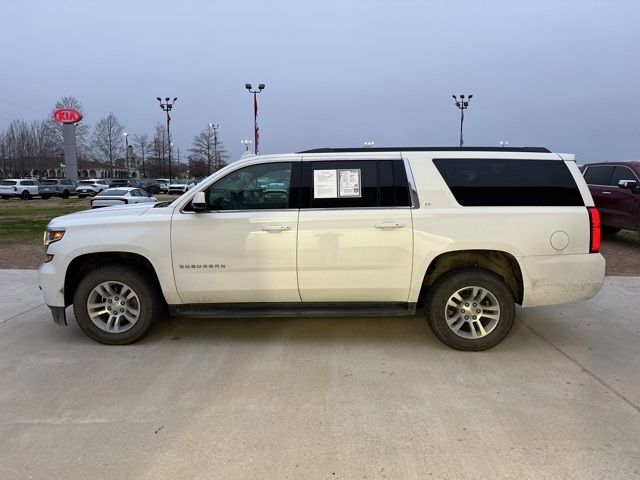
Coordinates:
[428,149]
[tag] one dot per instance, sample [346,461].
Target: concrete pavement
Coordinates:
[331,398]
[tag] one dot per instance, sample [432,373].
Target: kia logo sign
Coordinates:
[67,115]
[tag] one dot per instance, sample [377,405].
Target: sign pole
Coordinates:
[69,118]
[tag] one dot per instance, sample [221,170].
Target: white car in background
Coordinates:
[91,187]
[17,187]
[163,183]
[181,186]
[121,196]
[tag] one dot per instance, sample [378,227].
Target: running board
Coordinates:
[227,310]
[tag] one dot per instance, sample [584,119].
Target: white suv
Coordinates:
[91,187]
[463,233]
[17,187]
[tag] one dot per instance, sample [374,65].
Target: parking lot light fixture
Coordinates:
[368,144]
[256,132]
[166,107]
[126,151]
[462,105]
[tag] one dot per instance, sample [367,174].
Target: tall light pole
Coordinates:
[246,143]
[256,134]
[215,148]
[462,104]
[166,107]
[126,152]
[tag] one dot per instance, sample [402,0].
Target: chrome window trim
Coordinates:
[247,210]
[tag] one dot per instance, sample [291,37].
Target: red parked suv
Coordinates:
[615,187]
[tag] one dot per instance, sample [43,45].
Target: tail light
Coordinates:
[594,222]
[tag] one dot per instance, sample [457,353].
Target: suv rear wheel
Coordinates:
[65,194]
[116,304]
[25,195]
[470,309]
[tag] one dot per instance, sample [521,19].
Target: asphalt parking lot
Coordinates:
[321,398]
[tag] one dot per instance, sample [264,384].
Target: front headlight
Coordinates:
[52,235]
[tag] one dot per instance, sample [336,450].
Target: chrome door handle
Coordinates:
[606,193]
[386,225]
[276,228]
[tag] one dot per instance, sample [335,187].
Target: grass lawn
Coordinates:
[25,220]
[22,223]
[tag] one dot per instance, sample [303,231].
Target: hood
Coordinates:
[100,215]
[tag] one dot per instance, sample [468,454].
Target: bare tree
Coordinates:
[208,149]
[106,141]
[3,152]
[160,149]
[142,144]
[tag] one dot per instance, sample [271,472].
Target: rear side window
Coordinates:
[8,182]
[509,182]
[598,175]
[355,184]
[622,173]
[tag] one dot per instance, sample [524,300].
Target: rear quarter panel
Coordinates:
[441,225]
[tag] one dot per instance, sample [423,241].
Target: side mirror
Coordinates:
[630,184]
[199,202]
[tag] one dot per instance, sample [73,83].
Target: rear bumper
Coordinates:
[555,279]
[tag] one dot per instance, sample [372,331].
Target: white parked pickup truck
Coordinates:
[463,234]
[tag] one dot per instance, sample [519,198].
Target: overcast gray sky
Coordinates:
[561,74]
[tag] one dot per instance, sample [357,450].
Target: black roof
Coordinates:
[429,149]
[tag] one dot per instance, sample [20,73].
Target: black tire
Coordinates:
[65,194]
[81,195]
[26,195]
[150,303]
[610,230]
[6,197]
[437,312]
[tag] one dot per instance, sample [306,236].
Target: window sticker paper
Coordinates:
[350,183]
[325,184]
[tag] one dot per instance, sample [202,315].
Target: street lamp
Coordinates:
[368,144]
[215,148]
[462,104]
[166,107]
[246,144]
[126,151]
[256,134]
[504,144]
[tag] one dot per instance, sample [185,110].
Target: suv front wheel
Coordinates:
[470,309]
[117,304]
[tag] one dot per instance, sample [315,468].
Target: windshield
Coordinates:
[87,182]
[49,182]
[113,191]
